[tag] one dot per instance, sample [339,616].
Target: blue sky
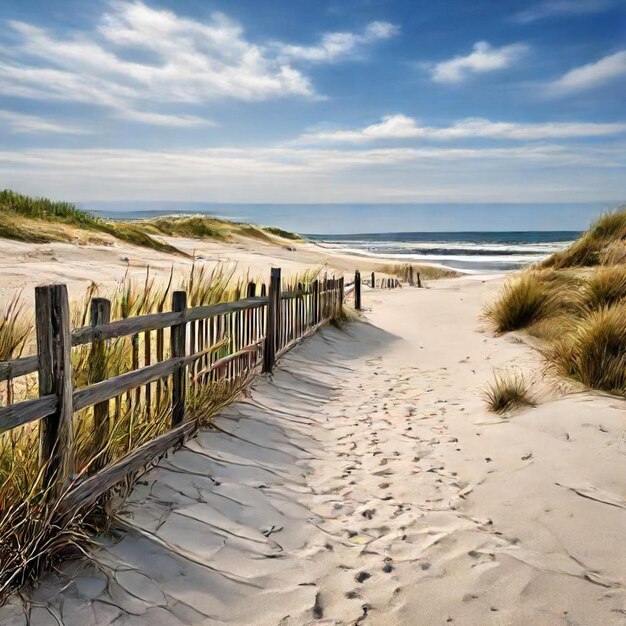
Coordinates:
[315,101]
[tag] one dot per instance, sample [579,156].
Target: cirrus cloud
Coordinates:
[394,127]
[483,58]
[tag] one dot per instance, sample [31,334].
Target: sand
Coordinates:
[25,265]
[365,483]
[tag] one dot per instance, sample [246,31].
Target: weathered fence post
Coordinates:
[316,302]
[373,281]
[419,280]
[100,315]
[178,338]
[54,342]
[357,290]
[273,323]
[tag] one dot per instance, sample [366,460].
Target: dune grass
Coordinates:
[279,232]
[593,350]
[507,391]
[605,238]
[427,272]
[575,301]
[39,220]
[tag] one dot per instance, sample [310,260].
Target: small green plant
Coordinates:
[507,391]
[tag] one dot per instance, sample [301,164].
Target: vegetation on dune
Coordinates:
[593,351]
[576,302]
[603,243]
[39,220]
[507,391]
[427,272]
[279,232]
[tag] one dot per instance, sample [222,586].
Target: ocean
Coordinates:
[504,237]
[474,252]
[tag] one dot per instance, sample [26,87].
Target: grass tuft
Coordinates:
[522,301]
[593,351]
[507,391]
[607,232]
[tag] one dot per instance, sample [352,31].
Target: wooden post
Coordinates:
[100,315]
[316,302]
[54,342]
[273,321]
[357,290]
[373,281]
[177,348]
[419,280]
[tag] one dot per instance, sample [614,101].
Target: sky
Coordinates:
[315,101]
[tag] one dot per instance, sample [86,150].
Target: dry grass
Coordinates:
[576,303]
[599,245]
[427,272]
[593,350]
[39,220]
[507,391]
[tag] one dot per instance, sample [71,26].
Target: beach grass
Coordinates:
[575,301]
[39,220]
[507,391]
[427,272]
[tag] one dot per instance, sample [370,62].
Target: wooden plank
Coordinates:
[100,315]
[128,326]
[18,367]
[178,342]
[56,436]
[357,290]
[22,413]
[86,493]
[273,321]
[102,391]
[206,312]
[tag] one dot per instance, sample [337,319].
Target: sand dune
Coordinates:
[365,483]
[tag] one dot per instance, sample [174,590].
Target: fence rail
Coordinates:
[207,344]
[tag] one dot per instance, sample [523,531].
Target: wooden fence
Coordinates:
[252,332]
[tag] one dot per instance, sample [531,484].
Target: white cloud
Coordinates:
[334,46]
[483,58]
[403,127]
[183,62]
[591,75]
[161,119]
[21,123]
[561,8]
[289,174]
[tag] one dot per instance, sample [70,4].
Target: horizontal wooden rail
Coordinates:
[86,493]
[207,312]
[128,326]
[107,389]
[22,413]
[18,367]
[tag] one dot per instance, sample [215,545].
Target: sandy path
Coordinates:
[366,484]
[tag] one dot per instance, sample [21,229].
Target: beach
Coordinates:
[365,482]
